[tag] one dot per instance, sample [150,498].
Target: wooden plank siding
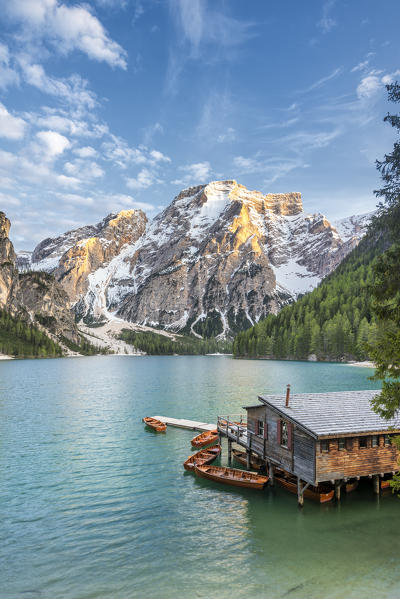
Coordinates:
[298,458]
[355,461]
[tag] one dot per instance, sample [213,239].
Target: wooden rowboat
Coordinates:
[231,476]
[241,457]
[322,493]
[385,484]
[205,438]
[156,425]
[202,457]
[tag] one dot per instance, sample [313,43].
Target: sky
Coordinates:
[117,104]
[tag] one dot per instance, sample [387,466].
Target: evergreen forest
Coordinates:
[19,339]
[156,344]
[333,322]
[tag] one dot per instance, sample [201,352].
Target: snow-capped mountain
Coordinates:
[218,258]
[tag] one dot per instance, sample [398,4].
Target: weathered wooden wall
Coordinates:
[298,459]
[354,461]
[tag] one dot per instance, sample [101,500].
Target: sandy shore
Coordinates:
[4,357]
[365,364]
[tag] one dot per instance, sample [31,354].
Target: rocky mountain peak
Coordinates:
[217,259]
[4,226]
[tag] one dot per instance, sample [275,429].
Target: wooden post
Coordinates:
[271,474]
[375,479]
[300,497]
[338,486]
[229,451]
[248,458]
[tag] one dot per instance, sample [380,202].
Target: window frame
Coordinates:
[261,428]
[376,439]
[284,434]
[364,439]
[342,440]
[324,445]
[386,441]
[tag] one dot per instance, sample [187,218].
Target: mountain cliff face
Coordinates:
[71,257]
[216,260]
[8,273]
[37,298]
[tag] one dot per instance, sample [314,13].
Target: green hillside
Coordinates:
[333,322]
[19,339]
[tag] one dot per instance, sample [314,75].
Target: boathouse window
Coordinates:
[363,442]
[261,428]
[325,445]
[374,441]
[342,444]
[387,440]
[284,434]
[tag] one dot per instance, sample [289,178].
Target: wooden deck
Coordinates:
[188,424]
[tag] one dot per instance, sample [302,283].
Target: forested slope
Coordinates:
[333,322]
[19,339]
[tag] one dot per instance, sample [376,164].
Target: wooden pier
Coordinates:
[192,425]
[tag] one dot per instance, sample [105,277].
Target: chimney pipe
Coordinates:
[287,396]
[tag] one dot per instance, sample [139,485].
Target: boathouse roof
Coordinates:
[333,414]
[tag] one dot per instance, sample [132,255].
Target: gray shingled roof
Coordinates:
[338,413]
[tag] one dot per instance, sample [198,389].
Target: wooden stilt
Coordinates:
[271,474]
[300,497]
[338,486]
[229,451]
[248,456]
[375,480]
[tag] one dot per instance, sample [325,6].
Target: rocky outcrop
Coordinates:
[8,272]
[47,303]
[216,260]
[35,297]
[72,257]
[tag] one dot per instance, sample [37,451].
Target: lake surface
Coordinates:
[94,506]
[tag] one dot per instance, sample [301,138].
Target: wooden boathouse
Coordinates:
[317,437]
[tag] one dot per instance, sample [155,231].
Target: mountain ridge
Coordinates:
[218,258]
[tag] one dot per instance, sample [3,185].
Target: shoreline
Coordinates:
[365,364]
[5,357]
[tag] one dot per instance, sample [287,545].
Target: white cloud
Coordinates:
[228,136]
[11,127]
[120,153]
[75,199]
[194,174]
[86,152]
[151,131]
[159,156]
[373,82]
[368,86]
[86,170]
[144,179]
[200,24]
[271,168]
[67,28]
[326,23]
[8,76]
[53,143]
[322,81]
[361,66]
[73,90]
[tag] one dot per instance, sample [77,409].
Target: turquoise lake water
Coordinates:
[94,506]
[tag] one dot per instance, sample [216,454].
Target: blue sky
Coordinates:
[118,104]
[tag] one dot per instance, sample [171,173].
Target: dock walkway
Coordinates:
[188,424]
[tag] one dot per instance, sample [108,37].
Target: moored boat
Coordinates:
[202,457]
[322,493]
[385,484]
[232,476]
[156,425]
[241,457]
[205,438]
